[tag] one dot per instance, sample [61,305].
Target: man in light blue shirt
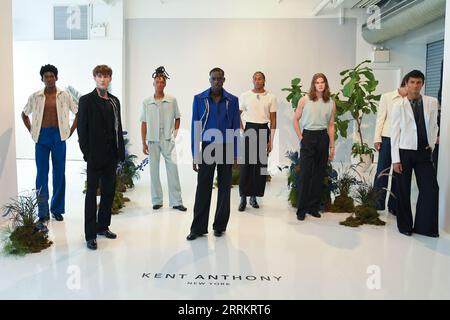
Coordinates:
[160,121]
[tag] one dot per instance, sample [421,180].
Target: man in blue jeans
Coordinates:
[50,129]
[382,143]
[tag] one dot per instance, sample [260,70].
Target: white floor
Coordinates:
[265,254]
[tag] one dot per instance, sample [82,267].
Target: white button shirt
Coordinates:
[64,104]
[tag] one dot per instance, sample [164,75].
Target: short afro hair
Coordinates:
[48,68]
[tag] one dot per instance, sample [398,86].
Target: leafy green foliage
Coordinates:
[295,92]
[359,85]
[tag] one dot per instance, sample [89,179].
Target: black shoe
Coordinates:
[92,244]
[253,202]
[180,207]
[301,216]
[315,214]
[192,236]
[58,217]
[108,234]
[44,219]
[243,204]
[218,233]
[157,206]
[406,233]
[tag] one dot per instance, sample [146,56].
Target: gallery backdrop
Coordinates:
[189,48]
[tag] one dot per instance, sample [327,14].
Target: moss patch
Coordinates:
[342,204]
[26,239]
[363,215]
[118,203]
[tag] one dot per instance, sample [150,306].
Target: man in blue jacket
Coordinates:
[216,127]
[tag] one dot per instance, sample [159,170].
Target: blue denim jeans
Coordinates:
[381,183]
[50,142]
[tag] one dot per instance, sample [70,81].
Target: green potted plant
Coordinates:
[24,234]
[343,182]
[365,213]
[359,85]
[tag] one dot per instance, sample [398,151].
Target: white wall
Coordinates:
[282,48]
[444,150]
[34,46]
[75,61]
[8,172]
[33,20]
[139,9]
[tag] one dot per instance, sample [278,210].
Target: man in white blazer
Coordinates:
[414,132]
[382,143]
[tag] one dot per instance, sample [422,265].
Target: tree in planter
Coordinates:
[343,183]
[359,87]
[25,234]
[365,213]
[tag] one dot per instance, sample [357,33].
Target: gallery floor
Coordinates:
[265,254]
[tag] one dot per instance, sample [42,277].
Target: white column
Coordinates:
[444,149]
[8,171]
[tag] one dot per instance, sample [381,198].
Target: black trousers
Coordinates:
[202,204]
[436,157]
[313,164]
[253,173]
[426,220]
[105,173]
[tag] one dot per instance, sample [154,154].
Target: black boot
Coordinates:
[243,204]
[253,202]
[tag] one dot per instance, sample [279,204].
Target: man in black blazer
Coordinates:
[101,141]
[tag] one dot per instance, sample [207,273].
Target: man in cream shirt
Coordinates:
[414,132]
[382,143]
[50,129]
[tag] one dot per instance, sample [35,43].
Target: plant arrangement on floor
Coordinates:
[127,170]
[343,183]
[329,188]
[293,172]
[359,87]
[365,213]
[24,234]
